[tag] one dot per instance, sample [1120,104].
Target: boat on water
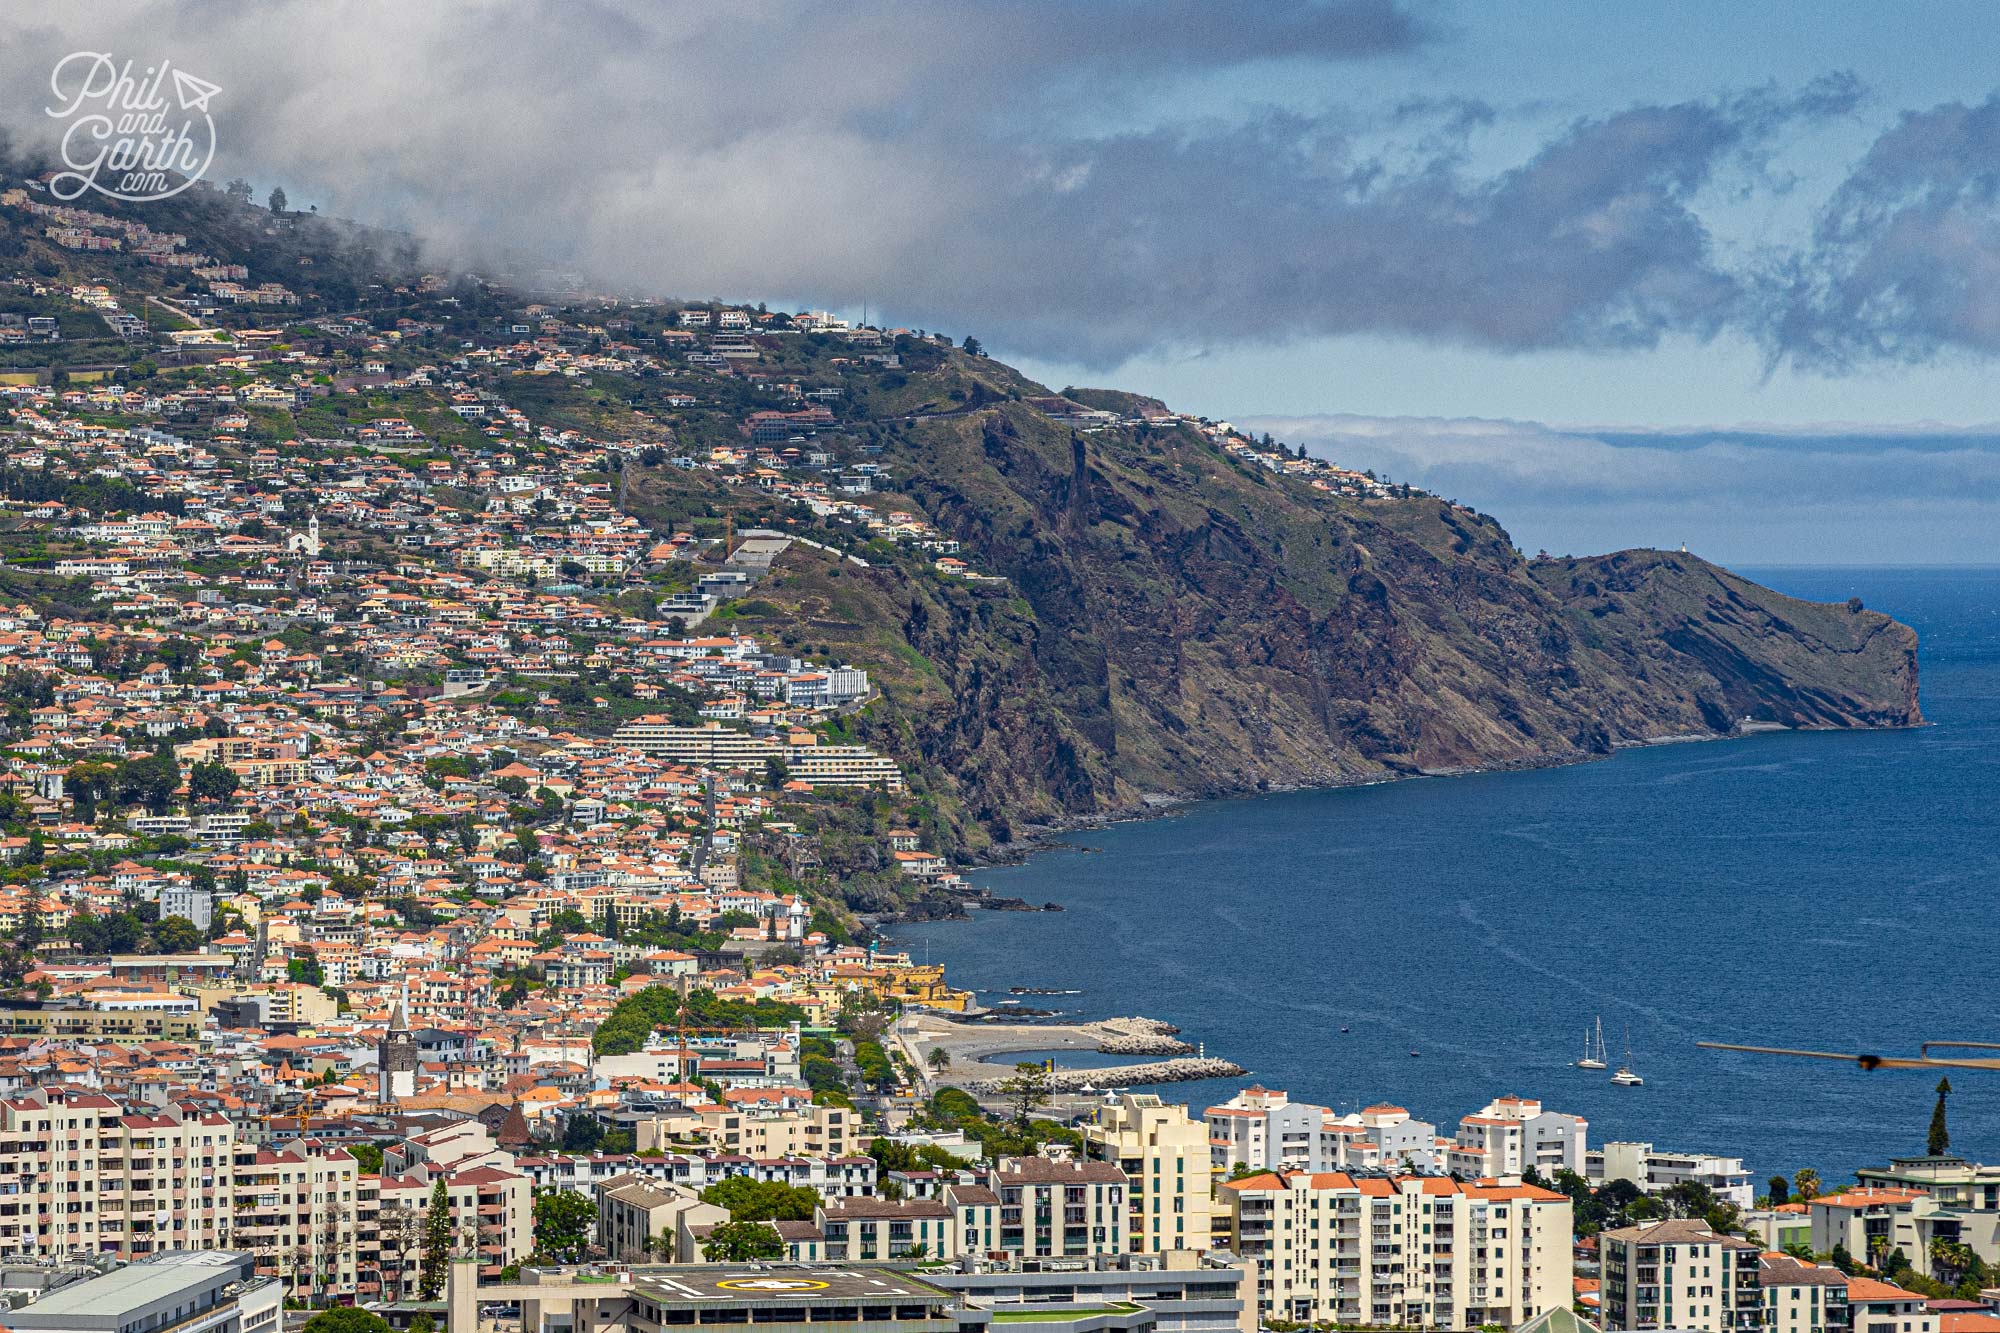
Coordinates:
[1625,1078]
[1593,1048]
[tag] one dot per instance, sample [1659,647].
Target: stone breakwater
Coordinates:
[983,1049]
[1136,1045]
[1182,1070]
[1137,1036]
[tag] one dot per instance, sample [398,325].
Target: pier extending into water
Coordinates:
[978,1052]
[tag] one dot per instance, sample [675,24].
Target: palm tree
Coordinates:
[1805,1185]
[939,1059]
[1949,1259]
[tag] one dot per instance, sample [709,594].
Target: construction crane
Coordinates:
[303,1116]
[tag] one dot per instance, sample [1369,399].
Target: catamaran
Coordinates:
[1625,1078]
[1593,1048]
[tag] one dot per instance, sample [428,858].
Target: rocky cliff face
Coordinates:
[1175,621]
[1680,638]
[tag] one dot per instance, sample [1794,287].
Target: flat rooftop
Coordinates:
[691,1285]
[1059,1314]
[169,1279]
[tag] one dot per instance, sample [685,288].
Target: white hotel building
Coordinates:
[1263,1130]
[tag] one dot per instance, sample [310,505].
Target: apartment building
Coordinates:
[1679,1275]
[1884,1307]
[1164,1155]
[123,1024]
[1802,1297]
[976,1212]
[640,1221]
[1059,1210]
[1959,1201]
[1870,1223]
[492,1215]
[709,743]
[843,766]
[1422,1250]
[883,1229]
[80,1174]
[1263,1130]
[718,747]
[762,1132]
[1785,1227]
[454,1147]
[1656,1169]
[1510,1136]
[297,1207]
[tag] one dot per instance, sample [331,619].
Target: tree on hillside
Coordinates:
[177,934]
[1939,1142]
[149,781]
[278,200]
[435,1256]
[213,782]
[563,1219]
[740,1242]
[305,968]
[582,1132]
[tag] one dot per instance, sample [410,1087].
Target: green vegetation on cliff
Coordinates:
[1168,619]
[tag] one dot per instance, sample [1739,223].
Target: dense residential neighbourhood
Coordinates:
[423,851]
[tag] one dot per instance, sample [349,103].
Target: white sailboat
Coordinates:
[1625,1078]
[1593,1049]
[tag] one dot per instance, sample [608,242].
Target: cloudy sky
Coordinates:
[1619,274]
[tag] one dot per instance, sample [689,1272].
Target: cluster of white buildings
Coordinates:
[1266,1130]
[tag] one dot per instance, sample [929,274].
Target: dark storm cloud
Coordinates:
[1276,230]
[1050,177]
[833,153]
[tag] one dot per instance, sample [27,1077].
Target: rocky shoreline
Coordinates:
[1034,839]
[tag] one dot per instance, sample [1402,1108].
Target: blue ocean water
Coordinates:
[1827,890]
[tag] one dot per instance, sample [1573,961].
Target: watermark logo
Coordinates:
[131,136]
